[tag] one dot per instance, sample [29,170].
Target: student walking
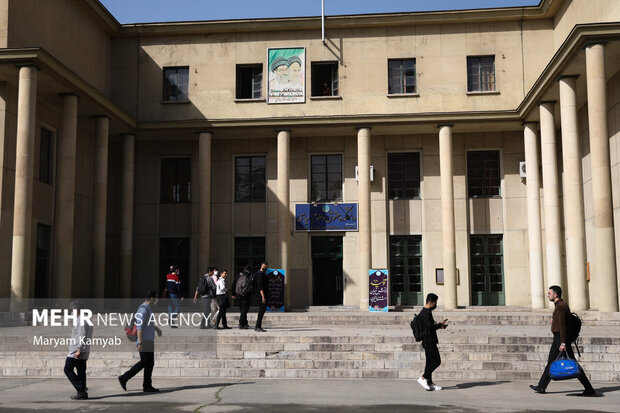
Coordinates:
[173,286]
[79,350]
[242,289]
[430,341]
[222,299]
[207,290]
[561,342]
[145,344]
[263,295]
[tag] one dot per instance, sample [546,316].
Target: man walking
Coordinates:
[561,342]
[146,345]
[79,349]
[173,286]
[206,289]
[429,341]
[263,294]
[242,289]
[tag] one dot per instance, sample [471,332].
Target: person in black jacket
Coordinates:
[262,291]
[429,342]
[243,300]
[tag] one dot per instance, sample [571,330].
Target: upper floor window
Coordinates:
[325,79]
[249,81]
[401,76]
[176,81]
[176,180]
[481,74]
[483,179]
[326,178]
[404,175]
[45,156]
[250,179]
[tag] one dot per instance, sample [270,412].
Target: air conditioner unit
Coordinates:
[372,173]
[522,169]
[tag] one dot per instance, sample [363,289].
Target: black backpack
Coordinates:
[573,328]
[416,327]
[245,283]
[202,285]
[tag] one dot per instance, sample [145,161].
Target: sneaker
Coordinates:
[424,383]
[80,396]
[435,387]
[122,382]
[537,389]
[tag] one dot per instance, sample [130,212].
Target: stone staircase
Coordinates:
[479,345]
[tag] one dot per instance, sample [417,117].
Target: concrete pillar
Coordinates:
[447,217]
[551,194]
[604,265]
[127,193]
[537,282]
[21,261]
[573,198]
[363,212]
[65,199]
[204,201]
[284,214]
[100,202]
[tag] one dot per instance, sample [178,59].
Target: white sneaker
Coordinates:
[435,387]
[424,383]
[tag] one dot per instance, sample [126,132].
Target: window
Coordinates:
[176,180]
[325,79]
[404,175]
[481,74]
[406,269]
[483,174]
[176,81]
[249,81]
[487,278]
[250,179]
[45,157]
[326,178]
[249,251]
[42,265]
[401,76]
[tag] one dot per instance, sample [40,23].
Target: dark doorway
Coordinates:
[42,266]
[487,270]
[175,252]
[327,280]
[406,270]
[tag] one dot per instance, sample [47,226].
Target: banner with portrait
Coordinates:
[286,82]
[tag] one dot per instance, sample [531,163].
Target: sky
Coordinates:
[144,11]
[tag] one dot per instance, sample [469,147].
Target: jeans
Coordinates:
[78,380]
[147,361]
[554,352]
[221,314]
[244,307]
[173,307]
[433,360]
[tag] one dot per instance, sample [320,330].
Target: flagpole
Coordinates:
[323,20]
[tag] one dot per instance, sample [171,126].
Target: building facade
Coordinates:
[480,150]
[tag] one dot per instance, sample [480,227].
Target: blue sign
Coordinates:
[326,217]
[378,290]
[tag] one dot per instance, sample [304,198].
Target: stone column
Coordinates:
[604,265]
[573,198]
[204,200]
[65,198]
[537,282]
[363,212]
[551,194]
[127,192]
[21,260]
[100,202]
[447,217]
[284,218]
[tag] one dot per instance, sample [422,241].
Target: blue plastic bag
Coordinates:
[564,368]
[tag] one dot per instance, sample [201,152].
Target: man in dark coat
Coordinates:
[430,341]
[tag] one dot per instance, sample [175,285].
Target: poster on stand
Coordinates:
[275,281]
[378,290]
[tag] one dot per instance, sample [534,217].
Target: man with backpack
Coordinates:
[206,289]
[242,289]
[427,326]
[564,333]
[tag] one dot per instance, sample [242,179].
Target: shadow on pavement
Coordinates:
[474,384]
[166,390]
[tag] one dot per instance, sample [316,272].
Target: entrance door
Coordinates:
[487,270]
[175,252]
[406,270]
[41,269]
[327,278]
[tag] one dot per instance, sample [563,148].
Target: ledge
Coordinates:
[403,95]
[174,102]
[325,97]
[483,93]
[253,100]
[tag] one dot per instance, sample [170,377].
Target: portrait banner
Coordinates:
[378,290]
[275,280]
[286,82]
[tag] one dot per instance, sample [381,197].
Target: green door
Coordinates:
[406,270]
[327,280]
[487,270]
